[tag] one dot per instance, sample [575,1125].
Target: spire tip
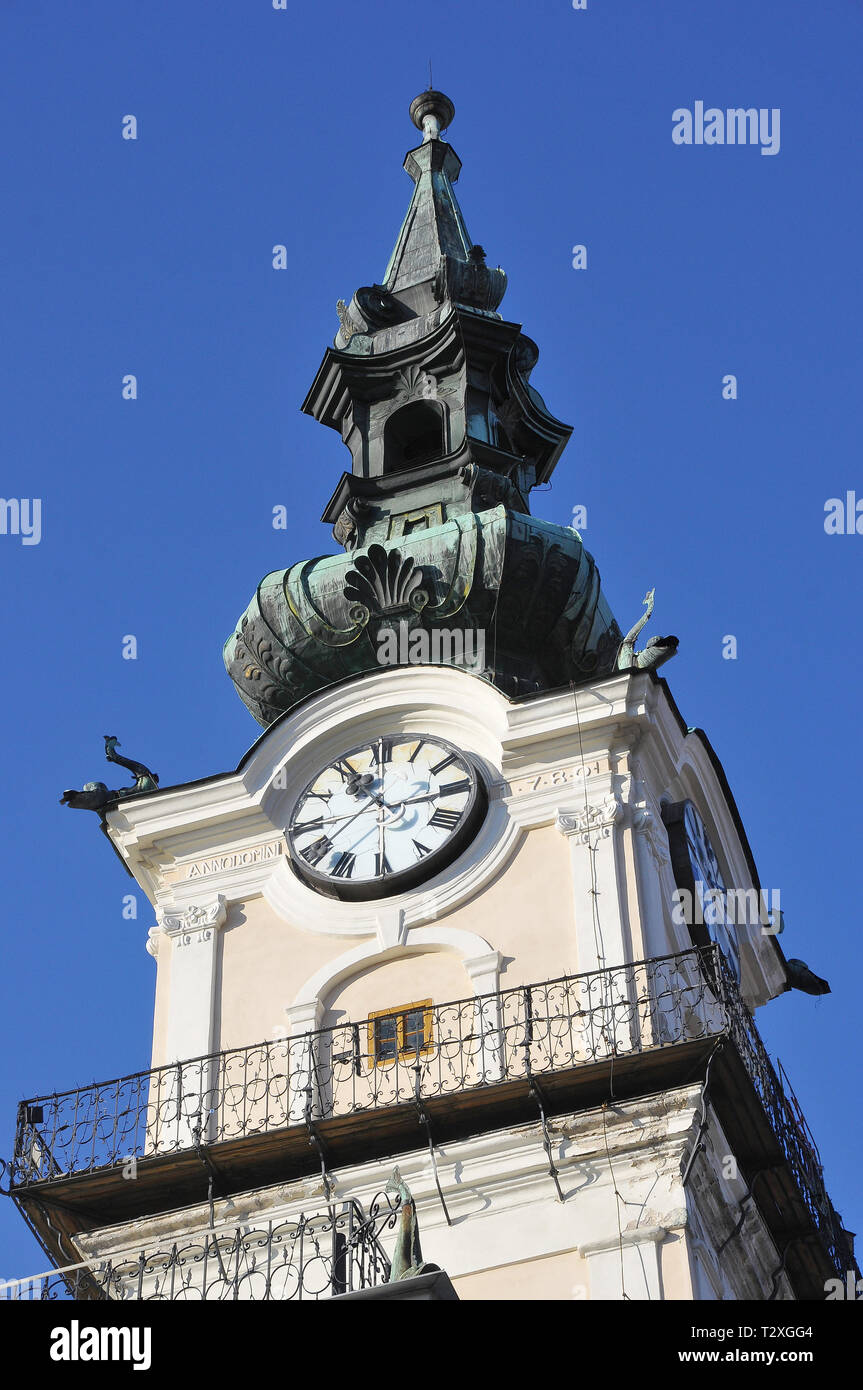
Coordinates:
[432,112]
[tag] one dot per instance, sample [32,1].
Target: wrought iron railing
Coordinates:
[514,1035]
[787,1123]
[470,1043]
[304,1258]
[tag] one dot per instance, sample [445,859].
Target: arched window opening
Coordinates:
[413,435]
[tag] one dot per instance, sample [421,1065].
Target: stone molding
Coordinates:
[583,822]
[480,960]
[489,853]
[650,826]
[498,1191]
[193,924]
[636,1235]
[518,744]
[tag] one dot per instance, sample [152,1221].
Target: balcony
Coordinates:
[307,1258]
[283,1109]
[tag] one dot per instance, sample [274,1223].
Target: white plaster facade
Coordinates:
[575,784]
[570,872]
[627,1228]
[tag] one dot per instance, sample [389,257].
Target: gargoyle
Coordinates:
[145,780]
[658,649]
[95,796]
[408,1259]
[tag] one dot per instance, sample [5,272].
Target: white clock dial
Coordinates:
[384,816]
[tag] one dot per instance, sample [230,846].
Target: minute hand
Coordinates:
[328,820]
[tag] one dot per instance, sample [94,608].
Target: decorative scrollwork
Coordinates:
[303,1258]
[481,1041]
[382,582]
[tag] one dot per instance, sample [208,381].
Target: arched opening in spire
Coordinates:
[413,435]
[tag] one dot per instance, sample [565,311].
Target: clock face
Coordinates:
[696,868]
[384,816]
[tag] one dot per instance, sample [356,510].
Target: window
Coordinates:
[413,435]
[400,1033]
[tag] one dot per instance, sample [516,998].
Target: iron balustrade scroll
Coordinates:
[305,1258]
[514,1035]
[788,1126]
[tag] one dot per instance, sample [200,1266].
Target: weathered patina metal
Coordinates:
[657,650]
[95,796]
[530,586]
[407,1260]
[145,780]
[430,391]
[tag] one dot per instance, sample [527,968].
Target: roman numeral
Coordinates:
[416,750]
[453,788]
[444,762]
[445,820]
[340,765]
[382,865]
[315,852]
[344,865]
[385,750]
[422,850]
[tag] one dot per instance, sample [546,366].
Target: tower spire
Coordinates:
[434,230]
[429,389]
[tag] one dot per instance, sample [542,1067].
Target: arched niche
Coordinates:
[414,434]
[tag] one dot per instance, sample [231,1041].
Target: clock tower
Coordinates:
[477,902]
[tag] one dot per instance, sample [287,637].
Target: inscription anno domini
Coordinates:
[238,859]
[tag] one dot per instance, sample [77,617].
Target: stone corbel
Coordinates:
[484,971]
[305,1017]
[194,925]
[585,821]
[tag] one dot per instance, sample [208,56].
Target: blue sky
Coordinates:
[153,257]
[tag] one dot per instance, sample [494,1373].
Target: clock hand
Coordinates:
[381,803]
[329,820]
[410,800]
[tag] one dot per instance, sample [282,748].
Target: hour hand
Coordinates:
[410,800]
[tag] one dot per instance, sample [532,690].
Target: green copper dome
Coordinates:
[429,389]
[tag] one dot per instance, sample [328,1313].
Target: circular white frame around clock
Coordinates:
[385,816]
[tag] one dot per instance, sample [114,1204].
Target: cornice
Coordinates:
[163,834]
[578,736]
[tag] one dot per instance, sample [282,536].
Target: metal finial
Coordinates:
[431,113]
